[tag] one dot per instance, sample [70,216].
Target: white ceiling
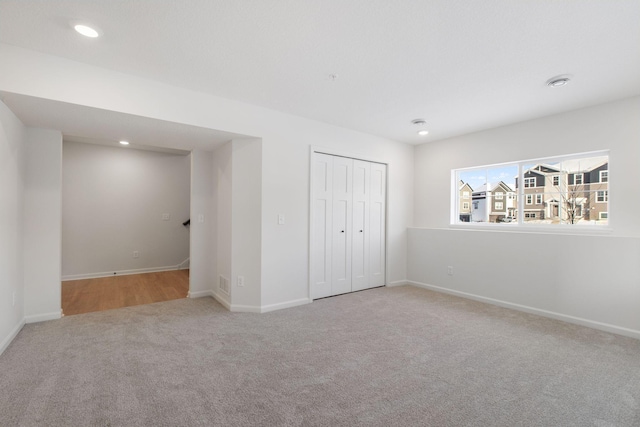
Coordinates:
[462,65]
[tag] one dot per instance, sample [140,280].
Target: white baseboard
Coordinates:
[222,299]
[397,283]
[120,273]
[244,308]
[5,342]
[270,307]
[184,264]
[282,305]
[199,294]
[43,317]
[532,310]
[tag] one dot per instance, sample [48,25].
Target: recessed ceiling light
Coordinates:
[558,81]
[124,142]
[423,132]
[86,30]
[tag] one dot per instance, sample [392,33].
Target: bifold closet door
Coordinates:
[360,240]
[377,225]
[342,230]
[322,228]
[348,230]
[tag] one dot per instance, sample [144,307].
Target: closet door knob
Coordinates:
[361,231]
[342,231]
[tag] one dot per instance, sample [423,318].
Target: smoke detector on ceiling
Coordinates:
[421,123]
[558,81]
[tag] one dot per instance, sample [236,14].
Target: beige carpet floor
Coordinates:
[384,357]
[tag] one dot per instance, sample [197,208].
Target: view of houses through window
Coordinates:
[561,190]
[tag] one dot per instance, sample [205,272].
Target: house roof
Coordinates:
[570,166]
[492,187]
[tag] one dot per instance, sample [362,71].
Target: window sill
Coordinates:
[540,229]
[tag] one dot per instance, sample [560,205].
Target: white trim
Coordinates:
[605,196]
[120,273]
[200,294]
[184,265]
[286,304]
[222,300]
[600,176]
[265,308]
[43,317]
[575,176]
[9,338]
[397,283]
[244,308]
[544,313]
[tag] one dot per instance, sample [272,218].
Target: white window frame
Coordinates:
[591,226]
[529,198]
[465,195]
[606,173]
[527,182]
[465,205]
[539,199]
[605,196]
[575,178]
[555,180]
[500,208]
[498,195]
[606,215]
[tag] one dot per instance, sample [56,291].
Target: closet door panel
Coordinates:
[322,228]
[377,225]
[360,243]
[342,214]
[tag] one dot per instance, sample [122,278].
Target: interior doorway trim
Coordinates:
[313,149]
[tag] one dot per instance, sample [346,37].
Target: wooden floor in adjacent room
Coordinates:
[106,293]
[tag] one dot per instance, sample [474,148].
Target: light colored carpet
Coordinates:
[384,357]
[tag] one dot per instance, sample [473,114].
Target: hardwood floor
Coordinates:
[106,293]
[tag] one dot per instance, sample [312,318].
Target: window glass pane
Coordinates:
[468,181]
[553,191]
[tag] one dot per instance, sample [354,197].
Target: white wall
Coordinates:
[222,216]
[12,174]
[588,279]
[246,213]
[113,202]
[203,249]
[42,225]
[285,156]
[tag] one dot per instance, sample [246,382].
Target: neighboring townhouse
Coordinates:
[572,191]
[464,198]
[541,197]
[493,203]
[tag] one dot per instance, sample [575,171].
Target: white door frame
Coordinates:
[352,155]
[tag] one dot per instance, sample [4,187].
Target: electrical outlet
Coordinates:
[240,280]
[450,270]
[136,254]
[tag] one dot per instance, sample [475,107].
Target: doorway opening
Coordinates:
[125,226]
